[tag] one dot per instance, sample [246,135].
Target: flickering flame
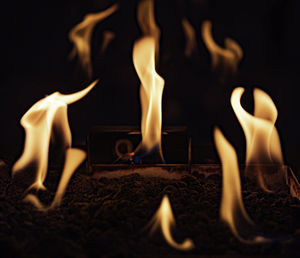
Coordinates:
[108,36]
[232,210]
[81,36]
[151,91]
[262,139]
[227,59]
[164,219]
[146,21]
[190,38]
[39,121]
[74,157]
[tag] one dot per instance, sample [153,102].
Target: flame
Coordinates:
[262,139]
[190,36]
[146,21]
[232,210]
[151,91]
[164,219]
[74,157]
[39,121]
[81,35]
[108,36]
[227,59]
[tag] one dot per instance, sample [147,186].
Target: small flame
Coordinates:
[226,59]
[262,139]
[74,157]
[190,38]
[108,36]
[232,209]
[151,91]
[164,219]
[146,21]
[38,122]
[81,36]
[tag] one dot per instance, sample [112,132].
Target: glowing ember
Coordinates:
[74,157]
[164,219]
[151,91]
[190,38]
[226,59]
[39,121]
[81,36]
[232,209]
[146,21]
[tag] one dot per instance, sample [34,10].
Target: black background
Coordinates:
[35,49]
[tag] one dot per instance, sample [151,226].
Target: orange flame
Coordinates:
[74,157]
[81,36]
[164,219]
[227,59]
[232,209]
[151,91]
[38,122]
[108,36]
[262,139]
[146,21]
[190,38]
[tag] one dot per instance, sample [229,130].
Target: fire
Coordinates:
[151,91]
[190,37]
[81,36]
[74,157]
[262,139]
[146,21]
[39,121]
[164,219]
[108,36]
[226,59]
[232,210]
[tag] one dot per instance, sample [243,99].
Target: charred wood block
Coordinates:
[109,145]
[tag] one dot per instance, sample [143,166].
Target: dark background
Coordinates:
[35,49]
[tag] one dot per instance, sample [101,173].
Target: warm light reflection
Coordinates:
[227,59]
[146,21]
[262,139]
[151,91]
[39,121]
[74,157]
[81,36]
[164,219]
[232,210]
[190,38]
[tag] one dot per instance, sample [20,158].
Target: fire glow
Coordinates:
[50,113]
[164,219]
[225,60]
[39,122]
[81,36]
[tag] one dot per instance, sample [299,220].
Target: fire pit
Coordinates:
[128,190]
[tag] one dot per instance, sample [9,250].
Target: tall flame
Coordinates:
[81,36]
[39,121]
[146,21]
[232,209]
[262,139]
[190,38]
[164,219]
[226,59]
[151,91]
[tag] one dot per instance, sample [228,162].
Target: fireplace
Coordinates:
[147,128]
